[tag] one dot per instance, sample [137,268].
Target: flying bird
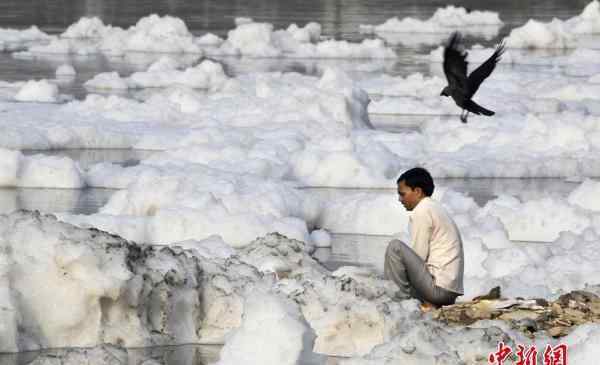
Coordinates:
[460,86]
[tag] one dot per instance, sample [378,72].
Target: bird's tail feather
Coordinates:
[475,108]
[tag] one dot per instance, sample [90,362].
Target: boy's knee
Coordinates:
[394,246]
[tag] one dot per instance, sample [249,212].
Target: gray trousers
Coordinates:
[409,272]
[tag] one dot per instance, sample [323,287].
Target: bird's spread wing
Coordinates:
[485,69]
[455,64]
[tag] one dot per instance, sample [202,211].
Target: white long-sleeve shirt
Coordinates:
[435,238]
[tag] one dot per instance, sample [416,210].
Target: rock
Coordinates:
[478,312]
[527,325]
[577,299]
[494,293]
[595,308]
[519,315]
[556,309]
[558,331]
[575,316]
[517,303]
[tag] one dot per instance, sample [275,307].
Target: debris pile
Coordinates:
[558,318]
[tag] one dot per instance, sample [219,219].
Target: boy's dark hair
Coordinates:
[418,177]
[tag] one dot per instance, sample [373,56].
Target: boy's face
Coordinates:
[408,196]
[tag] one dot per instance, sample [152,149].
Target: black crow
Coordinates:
[460,87]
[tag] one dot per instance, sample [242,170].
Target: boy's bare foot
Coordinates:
[427,307]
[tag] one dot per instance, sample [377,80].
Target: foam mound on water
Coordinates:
[557,33]
[435,30]
[206,75]
[38,91]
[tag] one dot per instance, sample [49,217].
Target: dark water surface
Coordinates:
[339,19]
[172,355]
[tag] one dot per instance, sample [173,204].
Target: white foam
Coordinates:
[583,343]
[230,162]
[65,46]
[14,40]
[107,80]
[557,33]
[586,195]
[261,40]
[243,20]
[266,317]
[87,28]
[41,171]
[536,34]
[152,33]
[38,91]
[65,70]
[321,238]
[10,161]
[202,211]
[206,75]
[160,34]
[529,221]
[441,21]
[165,63]
[170,35]
[412,31]
[209,40]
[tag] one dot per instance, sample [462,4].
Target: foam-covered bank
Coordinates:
[132,295]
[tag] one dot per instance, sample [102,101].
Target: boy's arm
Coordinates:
[421,232]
